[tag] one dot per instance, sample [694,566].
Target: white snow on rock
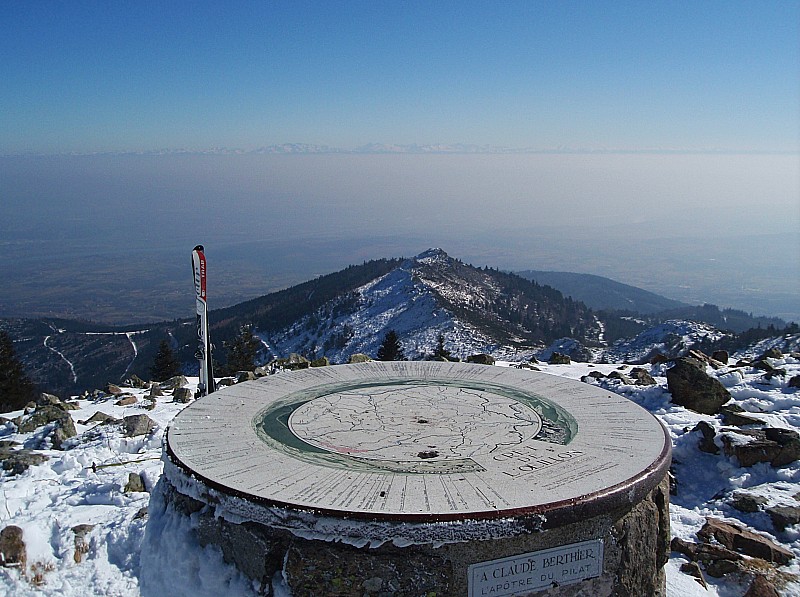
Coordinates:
[131,554]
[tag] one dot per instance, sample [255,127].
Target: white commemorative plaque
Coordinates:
[538,570]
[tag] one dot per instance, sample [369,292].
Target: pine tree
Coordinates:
[242,351]
[440,352]
[391,349]
[16,388]
[165,365]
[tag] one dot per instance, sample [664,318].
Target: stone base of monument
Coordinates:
[620,552]
[426,479]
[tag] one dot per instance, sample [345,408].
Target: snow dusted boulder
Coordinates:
[693,388]
[182,395]
[174,382]
[134,381]
[18,461]
[242,376]
[135,484]
[784,516]
[135,425]
[779,447]
[481,359]
[358,358]
[45,399]
[100,418]
[558,358]
[740,539]
[64,426]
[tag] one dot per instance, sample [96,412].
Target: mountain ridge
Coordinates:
[476,310]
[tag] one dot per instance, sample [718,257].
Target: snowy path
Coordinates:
[65,359]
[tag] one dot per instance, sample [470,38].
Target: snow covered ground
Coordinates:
[130,552]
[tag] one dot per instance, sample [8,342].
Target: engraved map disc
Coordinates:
[420,441]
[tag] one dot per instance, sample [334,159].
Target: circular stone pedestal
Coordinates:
[415,478]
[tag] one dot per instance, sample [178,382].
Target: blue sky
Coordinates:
[121,76]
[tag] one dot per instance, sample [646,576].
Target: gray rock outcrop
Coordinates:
[693,388]
[135,425]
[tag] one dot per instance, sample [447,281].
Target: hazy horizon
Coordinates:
[699,100]
[694,227]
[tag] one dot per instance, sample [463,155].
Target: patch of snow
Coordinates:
[130,555]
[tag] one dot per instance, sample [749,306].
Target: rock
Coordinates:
[81,545]
[49,414]
[59,436]
[17,462]
[320,362]
[721,356]
[100,418]
[770,369]
[687,548]
[558,358]
[113,389]
[779,447]
[596,374]
[45,399]
[126,401]
[642,377]
[719,568]
[747,502]
[771,353]
[242,376]
[226,382]
[703,552]
[156,390]
[182,395]
[708,433]
[135,484]
[481,359]
[135,425]
[149,403]
[761,587]
[704,358]
[39,417]
[141,513]
[12,548]
[733,414]
[261,371]
[693,569]
[174,382]
[794,382]
[744,541]
[297,361]
[358,358]
[372,585]
[784,516]
[134,381]
[693,388]
[621,377]
[659,359]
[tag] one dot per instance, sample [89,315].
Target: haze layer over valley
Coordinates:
[107,237]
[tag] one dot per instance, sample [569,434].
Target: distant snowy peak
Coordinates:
[432,256]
